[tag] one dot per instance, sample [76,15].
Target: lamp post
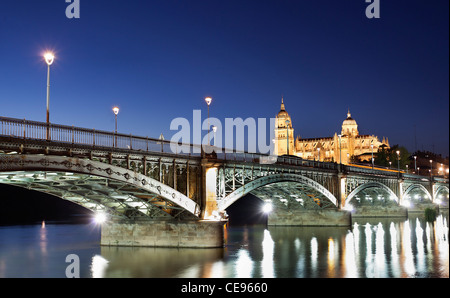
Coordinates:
[208,102]
[418,170]
[116,112]
[287,135]
[398,162]
[340,152]
[372,154]
[49,59]
[415,163]
[214,128]
[431,168]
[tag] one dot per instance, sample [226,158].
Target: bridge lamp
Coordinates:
[287,136]
[267,208]
[49,59]
[100,218]
[372,154]
[208,101]
[116,112]
[340,157]
[214,128]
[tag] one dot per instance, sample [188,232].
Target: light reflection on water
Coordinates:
[382,248]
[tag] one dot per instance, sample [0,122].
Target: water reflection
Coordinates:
[370,248]
[380,248]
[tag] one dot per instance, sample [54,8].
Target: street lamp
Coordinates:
[208,102]
[340,152]
[398,161]
[49,59]
[415,163]
[431,168]
[418,170]
[116,112]
[287,135]
[214,128]
[372,154]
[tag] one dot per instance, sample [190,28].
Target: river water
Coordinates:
[385,248]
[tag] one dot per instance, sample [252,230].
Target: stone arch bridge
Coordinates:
[153,195]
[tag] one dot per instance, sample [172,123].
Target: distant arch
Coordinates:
[419,186]
[262,181]
[371,185]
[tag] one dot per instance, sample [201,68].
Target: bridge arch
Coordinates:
[413,187]
[371,185]
[271,179]
[150,190]
[442,195]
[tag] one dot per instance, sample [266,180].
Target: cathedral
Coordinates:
[346,147]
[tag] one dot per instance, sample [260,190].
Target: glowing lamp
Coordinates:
[49,58]
[267,208]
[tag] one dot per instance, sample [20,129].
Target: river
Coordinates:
[380,248]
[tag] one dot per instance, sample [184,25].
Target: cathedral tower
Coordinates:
[284,133]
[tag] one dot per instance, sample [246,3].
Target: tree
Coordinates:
[384,156]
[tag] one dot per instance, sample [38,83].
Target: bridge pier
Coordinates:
[163,233]
[392,211]
[317,218]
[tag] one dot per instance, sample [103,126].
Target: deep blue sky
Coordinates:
[158,59]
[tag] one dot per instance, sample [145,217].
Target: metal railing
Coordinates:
[34,130]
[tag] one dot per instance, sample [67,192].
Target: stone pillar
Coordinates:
[342,180]
[316,218]
[209,187]
[400,191]
[164,233]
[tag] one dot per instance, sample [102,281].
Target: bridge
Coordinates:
[153,196]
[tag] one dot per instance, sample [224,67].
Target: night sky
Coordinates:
[158,59]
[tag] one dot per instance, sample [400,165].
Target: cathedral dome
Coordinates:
[349,126]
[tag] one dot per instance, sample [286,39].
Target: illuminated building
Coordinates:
[348,145]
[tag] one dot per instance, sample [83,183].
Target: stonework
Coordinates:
[380,212]
[348,145]
[317,218]
[200,234]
